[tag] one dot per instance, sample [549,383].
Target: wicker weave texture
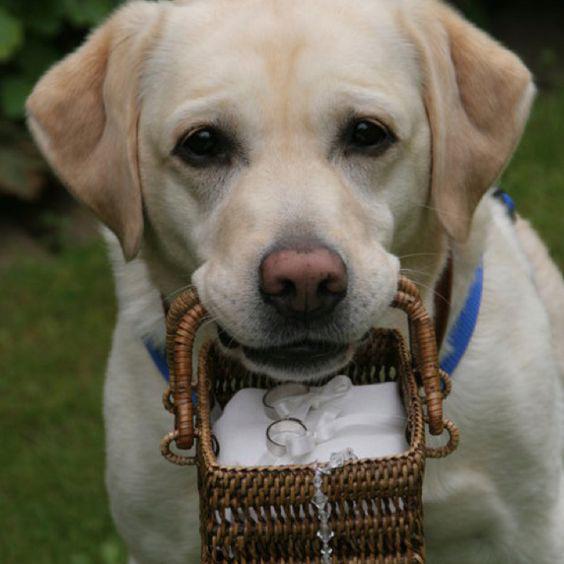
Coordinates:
[265,514]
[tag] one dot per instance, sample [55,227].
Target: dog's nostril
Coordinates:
[303,282]
[285,288]
[332,285]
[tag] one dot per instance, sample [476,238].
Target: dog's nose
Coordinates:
[303,282]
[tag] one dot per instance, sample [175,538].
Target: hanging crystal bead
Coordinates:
[320,500]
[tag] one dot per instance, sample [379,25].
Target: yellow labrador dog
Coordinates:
[290,158]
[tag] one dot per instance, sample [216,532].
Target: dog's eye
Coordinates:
[368,136]
[203,146]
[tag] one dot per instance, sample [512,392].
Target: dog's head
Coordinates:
[284,153]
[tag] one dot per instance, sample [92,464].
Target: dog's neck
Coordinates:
[425,255]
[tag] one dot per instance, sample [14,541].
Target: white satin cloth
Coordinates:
[369,419]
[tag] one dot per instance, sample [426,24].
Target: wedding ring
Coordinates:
[278,394]
[281,432]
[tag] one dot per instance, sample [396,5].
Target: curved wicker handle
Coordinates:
[424,349]
[186,315]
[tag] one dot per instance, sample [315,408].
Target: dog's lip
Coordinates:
[307,356]
[230,342]
[299,352]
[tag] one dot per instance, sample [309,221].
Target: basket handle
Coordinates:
[424,350]
[186,315]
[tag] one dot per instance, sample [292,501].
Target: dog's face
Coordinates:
[284,153]
[297,143]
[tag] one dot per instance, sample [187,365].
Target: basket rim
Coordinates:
[413,408]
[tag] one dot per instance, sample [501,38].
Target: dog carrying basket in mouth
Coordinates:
[267,514]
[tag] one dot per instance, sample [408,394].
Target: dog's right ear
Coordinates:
[84,113]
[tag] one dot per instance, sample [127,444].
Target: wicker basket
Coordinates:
[265,514]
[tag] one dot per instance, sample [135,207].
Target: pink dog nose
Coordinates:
[303,282]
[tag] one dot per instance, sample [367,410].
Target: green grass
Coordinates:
[55,328]
[56,319]
[535,177]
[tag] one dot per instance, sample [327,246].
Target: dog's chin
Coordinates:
[301,361]
[287,365]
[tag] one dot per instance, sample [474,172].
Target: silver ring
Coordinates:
[291,426]
[281,392]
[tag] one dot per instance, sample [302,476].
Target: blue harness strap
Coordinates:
[507,201]
[159,358]
[461,332]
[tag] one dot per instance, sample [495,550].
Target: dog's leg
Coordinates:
[154,503]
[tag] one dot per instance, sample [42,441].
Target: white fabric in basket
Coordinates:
[370,419]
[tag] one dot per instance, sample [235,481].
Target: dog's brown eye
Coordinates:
[203,146]
[367,135]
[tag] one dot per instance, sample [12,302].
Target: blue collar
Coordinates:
[159,358]
[457,340]
[459,336]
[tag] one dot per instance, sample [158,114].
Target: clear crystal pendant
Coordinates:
[320,500]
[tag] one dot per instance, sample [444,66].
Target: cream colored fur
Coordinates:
[283,76]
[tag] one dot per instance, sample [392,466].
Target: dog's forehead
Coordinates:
[269,50]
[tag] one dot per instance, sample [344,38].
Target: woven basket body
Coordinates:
[265,514]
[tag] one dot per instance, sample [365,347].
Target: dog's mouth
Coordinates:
[307,357]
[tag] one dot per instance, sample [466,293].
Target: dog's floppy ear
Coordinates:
[478,96]
[84,113]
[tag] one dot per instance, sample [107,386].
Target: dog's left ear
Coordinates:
[84,113]
[478,96]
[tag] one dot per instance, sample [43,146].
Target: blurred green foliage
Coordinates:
[483,12]
[33,35]
[36,33]
[475,10]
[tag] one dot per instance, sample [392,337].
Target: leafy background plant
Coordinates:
[33,35]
